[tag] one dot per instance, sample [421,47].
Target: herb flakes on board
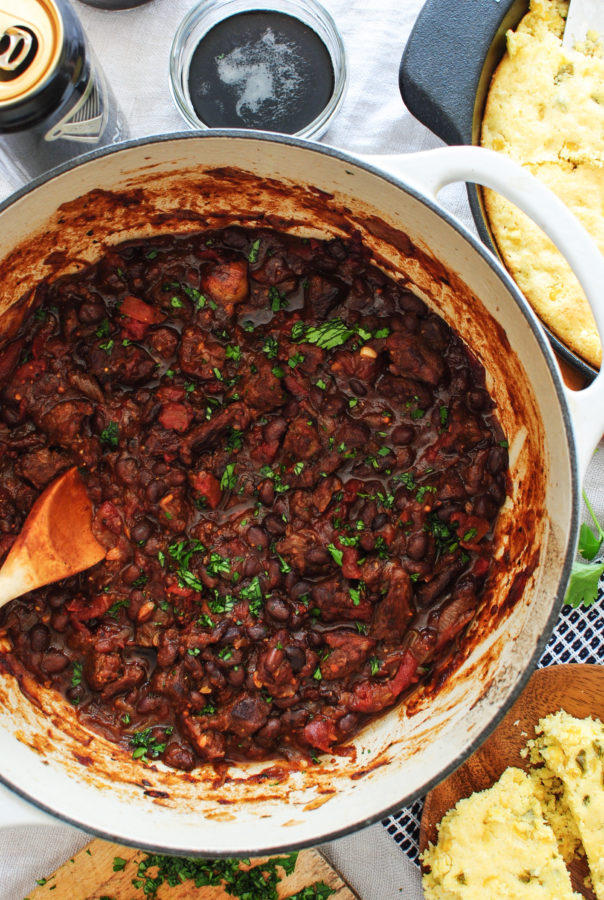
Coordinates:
[237,877]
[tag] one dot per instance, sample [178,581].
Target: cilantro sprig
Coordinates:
[585,576]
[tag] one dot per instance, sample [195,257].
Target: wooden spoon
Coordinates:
[56,540]
[576,688]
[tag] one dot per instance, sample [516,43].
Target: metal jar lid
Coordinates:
[31,41]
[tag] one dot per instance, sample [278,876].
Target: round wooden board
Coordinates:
[576,688]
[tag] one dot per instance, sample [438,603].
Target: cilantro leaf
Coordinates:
[583,584]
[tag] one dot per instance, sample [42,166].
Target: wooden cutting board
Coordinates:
[89,875]
[576,688]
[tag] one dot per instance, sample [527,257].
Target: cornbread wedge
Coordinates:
[496,844]
[573,750]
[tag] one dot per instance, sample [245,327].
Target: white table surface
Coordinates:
[133,47]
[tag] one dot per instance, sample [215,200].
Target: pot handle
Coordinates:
[15,810]
[432,170]
[448,61]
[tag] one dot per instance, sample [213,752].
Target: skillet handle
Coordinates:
[448,60]
[14,810]
[432,170]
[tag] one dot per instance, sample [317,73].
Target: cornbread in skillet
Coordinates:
[497,844]
[573,750]
[545,110]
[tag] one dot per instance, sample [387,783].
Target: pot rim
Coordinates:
[569,551]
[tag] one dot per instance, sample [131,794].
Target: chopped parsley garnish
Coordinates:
[229,479]
[120,604]
[336,554]
[76,676]
[233,352]
[355,596]
[294,360]
[107,346]
[193,294]
[277,299]
[298,467]
[181,552]
[270,347]
[234,439]
[257,882]
[375,665]
[104,329]
[145,745]
[253,254]
[109,436]
[218,565]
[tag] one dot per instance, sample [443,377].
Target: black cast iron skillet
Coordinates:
[444,78]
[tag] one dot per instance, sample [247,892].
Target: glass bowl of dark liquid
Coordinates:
[237,64]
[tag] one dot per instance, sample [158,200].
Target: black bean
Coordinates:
[54,661]
[10,416]
[91,313]
[274,525]
[497,460]
[266,491]
[277,608]
[417,545]
[39,638]
[257,537]
[478,400]
[299,589]
[130,574]
[275,429]
[141,531]
[56,599]
[269,733]
[296,657]
[348,722]
[155,491]
[236,676]
[180,756]
[485,506]
[257,632]
[318,556]
[358,387]
[252,566]
[60,620]
[402,434]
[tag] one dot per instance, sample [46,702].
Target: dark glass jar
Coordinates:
[114,4]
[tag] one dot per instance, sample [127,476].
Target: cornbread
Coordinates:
[496,844]
[549,791]
[573,750]
[512,840]
[545,110]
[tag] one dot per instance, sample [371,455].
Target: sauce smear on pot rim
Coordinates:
[295,468]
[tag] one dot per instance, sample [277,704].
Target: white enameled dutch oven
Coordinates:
[184,183]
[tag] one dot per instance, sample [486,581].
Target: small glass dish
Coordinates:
[239,64]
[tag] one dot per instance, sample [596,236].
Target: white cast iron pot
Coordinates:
[185,183]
